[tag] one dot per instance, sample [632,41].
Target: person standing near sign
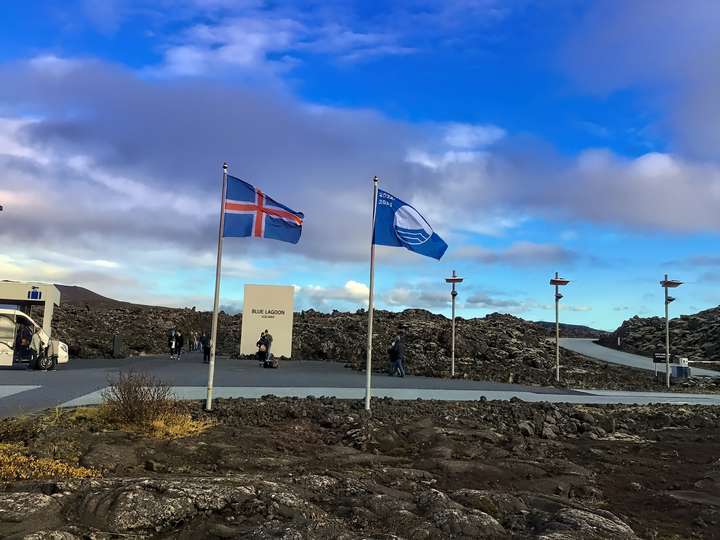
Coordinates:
[262,352]
[268,342]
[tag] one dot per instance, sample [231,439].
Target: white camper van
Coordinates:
[22,340]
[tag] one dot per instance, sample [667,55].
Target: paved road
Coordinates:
[82,382]
[589,348]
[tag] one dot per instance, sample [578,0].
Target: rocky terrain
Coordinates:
[322,468]
[88,322]
[696,337]
[572,330]
[497,347]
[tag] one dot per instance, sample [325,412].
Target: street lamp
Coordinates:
[454,279]
[668,284]
[558,282]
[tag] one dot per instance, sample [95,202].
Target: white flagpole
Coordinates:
[368,364]
[218,267]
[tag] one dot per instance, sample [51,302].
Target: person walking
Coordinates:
[397,357]
[205,344]
[172,343]
[179,344]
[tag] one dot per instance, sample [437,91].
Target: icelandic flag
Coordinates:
[249,212]
[399,224]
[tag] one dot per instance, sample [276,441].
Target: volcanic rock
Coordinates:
[696,337]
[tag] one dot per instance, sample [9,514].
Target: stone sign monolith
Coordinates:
[267,307]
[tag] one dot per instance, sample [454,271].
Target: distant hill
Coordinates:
[573,330]
[72,294]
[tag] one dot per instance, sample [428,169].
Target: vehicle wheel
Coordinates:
[47,363]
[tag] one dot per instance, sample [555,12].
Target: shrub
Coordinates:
[137,398]
[140,402]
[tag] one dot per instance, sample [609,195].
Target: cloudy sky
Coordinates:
[535,136]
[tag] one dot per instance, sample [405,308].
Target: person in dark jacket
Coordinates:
[268,341]
[397,357]
[205,344]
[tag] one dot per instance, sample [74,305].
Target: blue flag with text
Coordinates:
[398,224]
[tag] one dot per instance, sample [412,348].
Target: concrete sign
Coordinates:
[268,307]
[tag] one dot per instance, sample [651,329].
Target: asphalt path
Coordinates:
[82,381]
[588,347]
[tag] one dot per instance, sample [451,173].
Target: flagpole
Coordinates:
[368,364]
[218,267]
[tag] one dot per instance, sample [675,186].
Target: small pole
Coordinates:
[557,330]
[452,348]
[453,280]
[368,360]
[667,334]
[218,266]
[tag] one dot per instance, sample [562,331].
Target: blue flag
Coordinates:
[398,224]
[249,212]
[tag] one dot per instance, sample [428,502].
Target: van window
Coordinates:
[22,319]
[7,330]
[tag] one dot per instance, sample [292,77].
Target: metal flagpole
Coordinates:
[368,363]
[218,266]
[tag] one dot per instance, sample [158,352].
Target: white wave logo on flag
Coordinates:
[410,227]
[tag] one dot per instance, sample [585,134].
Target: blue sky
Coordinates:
[579,137]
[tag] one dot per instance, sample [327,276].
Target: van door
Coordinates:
[7,339]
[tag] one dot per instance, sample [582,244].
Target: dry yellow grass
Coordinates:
[176,425]
[15,464]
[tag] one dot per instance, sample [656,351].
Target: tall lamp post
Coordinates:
[454,279]
[668,284]
[557,282]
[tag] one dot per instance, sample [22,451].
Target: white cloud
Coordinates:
[472,136]
[50,64]
[11,140]
[139,174]
[419,296]
[665,50]
[352,293]
[265,41]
